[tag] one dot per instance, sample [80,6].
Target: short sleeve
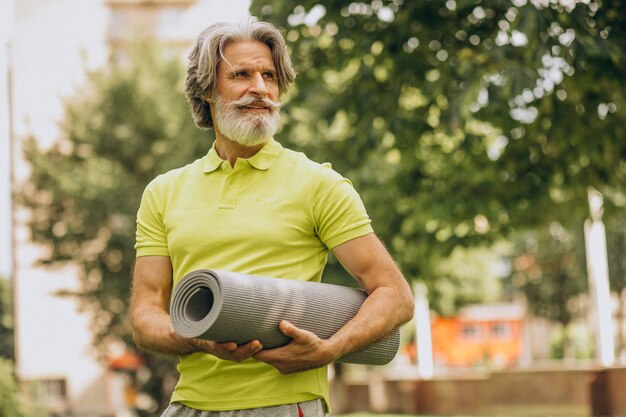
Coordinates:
[151,237]
[338,210]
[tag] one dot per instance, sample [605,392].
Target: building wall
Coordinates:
[556,392]
[452,346]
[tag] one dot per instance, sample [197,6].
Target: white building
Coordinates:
[46,56]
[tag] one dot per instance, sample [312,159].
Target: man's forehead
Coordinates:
[248,53]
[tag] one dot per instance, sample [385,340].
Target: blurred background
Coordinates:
[487,139]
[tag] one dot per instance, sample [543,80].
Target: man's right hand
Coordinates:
[228,350]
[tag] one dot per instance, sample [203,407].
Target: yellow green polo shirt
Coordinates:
[275,214]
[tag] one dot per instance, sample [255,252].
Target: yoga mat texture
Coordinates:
[226,306]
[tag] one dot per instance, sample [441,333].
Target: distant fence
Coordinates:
[571,393]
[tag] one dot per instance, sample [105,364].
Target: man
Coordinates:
[252,206]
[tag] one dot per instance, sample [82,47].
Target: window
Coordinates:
[470,331]
[51,393]
[501,330]
[117,23]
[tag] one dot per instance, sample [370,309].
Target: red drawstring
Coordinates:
[300,413]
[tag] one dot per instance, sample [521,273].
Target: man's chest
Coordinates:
[225,214]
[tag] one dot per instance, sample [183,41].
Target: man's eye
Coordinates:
[241,74]
[269,75]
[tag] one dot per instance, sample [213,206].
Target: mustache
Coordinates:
[256,101]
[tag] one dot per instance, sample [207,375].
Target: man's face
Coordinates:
[246,110]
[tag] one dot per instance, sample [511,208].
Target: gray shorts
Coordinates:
[313,408]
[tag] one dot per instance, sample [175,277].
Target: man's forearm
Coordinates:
[384,310]
[389,303]
[152,330]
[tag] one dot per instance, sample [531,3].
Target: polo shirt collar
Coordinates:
[212,161]
[266,156]
[262,160]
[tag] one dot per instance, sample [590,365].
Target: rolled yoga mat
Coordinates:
[226,306]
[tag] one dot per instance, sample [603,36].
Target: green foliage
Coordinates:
[468,276]
[12,402]
[616,247]
[550,270]
[461,121]
[126,125]
[6,321]
[616,241]
[573,342]
[10,405]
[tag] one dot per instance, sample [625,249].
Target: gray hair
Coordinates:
[208,50]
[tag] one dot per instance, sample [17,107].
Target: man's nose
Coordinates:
[258,86]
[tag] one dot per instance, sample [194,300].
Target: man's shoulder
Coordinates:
[300,160]
[177,174]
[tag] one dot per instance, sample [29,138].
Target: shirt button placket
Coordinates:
[230,190]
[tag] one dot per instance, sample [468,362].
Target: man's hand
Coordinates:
[228,350]
[305,351]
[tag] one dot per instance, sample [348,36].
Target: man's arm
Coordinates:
[150,320]
[388,305]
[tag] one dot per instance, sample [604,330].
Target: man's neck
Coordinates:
[230,151]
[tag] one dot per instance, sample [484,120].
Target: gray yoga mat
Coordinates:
[226,306]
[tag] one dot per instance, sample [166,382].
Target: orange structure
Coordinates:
[478,335]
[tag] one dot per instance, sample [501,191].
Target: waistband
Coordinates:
[312,408]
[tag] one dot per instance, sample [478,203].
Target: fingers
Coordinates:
[288,329]
[246,351]
[231,351]
[302,353]
[305,351]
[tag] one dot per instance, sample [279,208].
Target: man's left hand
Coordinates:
[305,351]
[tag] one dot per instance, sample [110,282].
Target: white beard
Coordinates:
[246,129]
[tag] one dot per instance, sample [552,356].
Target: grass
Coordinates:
[508,411]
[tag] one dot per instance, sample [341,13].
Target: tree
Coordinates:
[549,269]
[460,122]
[126,125]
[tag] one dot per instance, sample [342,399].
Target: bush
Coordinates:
[12,402]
